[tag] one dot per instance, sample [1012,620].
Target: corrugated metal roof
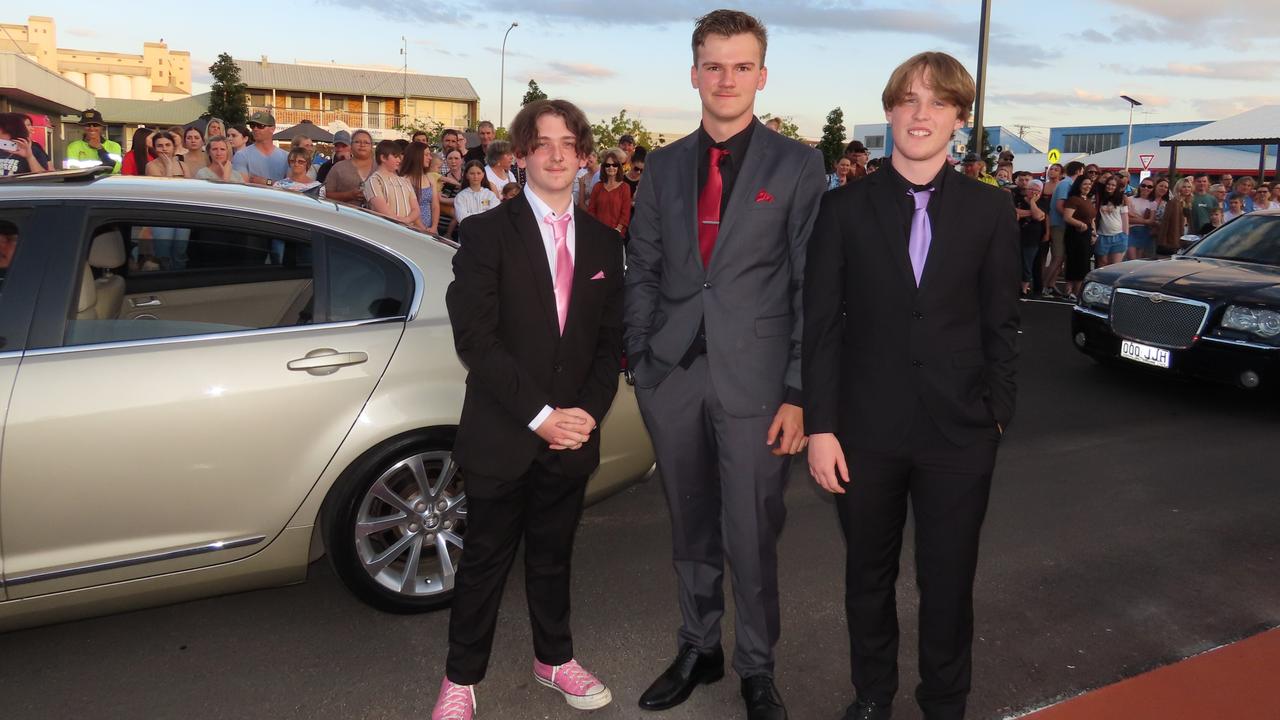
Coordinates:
[1195,157]
[348,81]
[151,112]
[1248,128]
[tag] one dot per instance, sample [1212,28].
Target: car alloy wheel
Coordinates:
[394,523]
[410,523]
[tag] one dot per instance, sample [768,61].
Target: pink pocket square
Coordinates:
[598,276]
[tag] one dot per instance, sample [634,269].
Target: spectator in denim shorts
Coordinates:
[1113,223]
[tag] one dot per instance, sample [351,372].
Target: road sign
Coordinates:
[1146,161]
[1054,156]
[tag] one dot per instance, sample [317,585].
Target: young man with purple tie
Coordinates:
[536,308]
[713,322]
[910,337]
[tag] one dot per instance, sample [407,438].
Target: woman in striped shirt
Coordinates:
[386,192]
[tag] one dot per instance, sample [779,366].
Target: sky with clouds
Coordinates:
[1050,64]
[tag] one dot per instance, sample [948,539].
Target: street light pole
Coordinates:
[1128,146]
[502,81]
[977,135]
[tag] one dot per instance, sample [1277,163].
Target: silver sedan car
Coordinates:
[206,386]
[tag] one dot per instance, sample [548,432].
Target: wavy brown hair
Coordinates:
[943,74]
[524,128]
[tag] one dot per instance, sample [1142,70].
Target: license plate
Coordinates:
[1144,354]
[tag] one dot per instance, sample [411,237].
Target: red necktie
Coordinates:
[709,207]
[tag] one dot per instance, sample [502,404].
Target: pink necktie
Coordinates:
[564,263]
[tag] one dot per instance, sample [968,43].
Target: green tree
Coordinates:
[227,97]
[832,143]
[789,128]
[608,131]
[533,93]
[432,128]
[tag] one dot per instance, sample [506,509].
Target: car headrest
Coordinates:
[107,250]
[88,293]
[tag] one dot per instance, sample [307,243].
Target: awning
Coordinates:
[307,129]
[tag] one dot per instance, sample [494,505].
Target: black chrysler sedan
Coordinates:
[1211,312]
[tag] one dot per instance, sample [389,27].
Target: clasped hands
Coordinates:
[566,428]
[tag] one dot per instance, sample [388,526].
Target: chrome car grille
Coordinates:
[1157,319]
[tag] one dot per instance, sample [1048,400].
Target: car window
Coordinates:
[364,284]
[148,280]
[9,237]
[1248,238]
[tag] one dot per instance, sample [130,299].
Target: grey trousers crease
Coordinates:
[725,492]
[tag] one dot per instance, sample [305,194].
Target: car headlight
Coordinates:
[1263,323]
[1097,294]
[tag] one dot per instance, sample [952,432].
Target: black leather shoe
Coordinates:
[763,700]
[868,710]
[692,667]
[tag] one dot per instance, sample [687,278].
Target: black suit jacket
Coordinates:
[876,347]
[505,328]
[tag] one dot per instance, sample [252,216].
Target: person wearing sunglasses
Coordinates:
[610,201]
[299,178]
[263,163]
[1142,218]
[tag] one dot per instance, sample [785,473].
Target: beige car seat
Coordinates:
[107,253]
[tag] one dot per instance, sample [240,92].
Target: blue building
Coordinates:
[1089,139]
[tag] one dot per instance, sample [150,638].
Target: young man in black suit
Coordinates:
[536,307]
[910,337]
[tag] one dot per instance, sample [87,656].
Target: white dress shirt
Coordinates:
[540,211]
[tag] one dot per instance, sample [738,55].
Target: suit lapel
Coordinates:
[892,232]
[686,167]
[747,184]
[529,237]
[584,264]
[941,240]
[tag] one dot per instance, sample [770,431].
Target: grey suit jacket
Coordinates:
[749,295]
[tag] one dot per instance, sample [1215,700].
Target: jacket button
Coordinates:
[918,316]
[706,285]
[558,368]
[916,363]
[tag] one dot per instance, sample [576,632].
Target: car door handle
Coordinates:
[148,301]
[326,361]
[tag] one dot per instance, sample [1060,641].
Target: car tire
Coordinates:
[395,522]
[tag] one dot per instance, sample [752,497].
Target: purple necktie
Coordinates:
[921,232]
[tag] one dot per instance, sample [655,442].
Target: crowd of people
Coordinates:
[1072,219]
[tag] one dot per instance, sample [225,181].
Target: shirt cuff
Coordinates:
[540,418]
[794,397]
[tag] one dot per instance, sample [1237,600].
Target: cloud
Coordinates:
[1228,106]
[1005,50]
[1194,22]
[407,10]
[1077,98]
[1212,70]
[581,69]
[1093,36]
[648,114]
[83,32]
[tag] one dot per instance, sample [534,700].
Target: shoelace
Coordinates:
[575,675]
[456,703]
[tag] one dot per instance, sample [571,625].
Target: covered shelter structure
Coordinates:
[1199,159]
[1257,128]
[306,128]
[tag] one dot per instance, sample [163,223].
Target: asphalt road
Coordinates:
[1133,522]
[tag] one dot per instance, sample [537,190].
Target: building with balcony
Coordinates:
[346,97]
[158,73]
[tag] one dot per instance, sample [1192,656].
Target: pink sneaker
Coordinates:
[580,688]
[456,702]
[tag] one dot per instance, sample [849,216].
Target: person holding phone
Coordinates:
[16,155]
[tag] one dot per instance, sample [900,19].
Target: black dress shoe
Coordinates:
[692,667]
[868,710]
[763,700]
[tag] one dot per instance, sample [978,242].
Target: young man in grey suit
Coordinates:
[712,328]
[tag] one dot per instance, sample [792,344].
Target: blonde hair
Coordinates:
[941,73]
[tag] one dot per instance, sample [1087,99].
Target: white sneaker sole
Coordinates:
[579,702]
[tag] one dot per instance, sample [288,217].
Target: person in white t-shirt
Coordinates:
[498,159]
[476,197]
